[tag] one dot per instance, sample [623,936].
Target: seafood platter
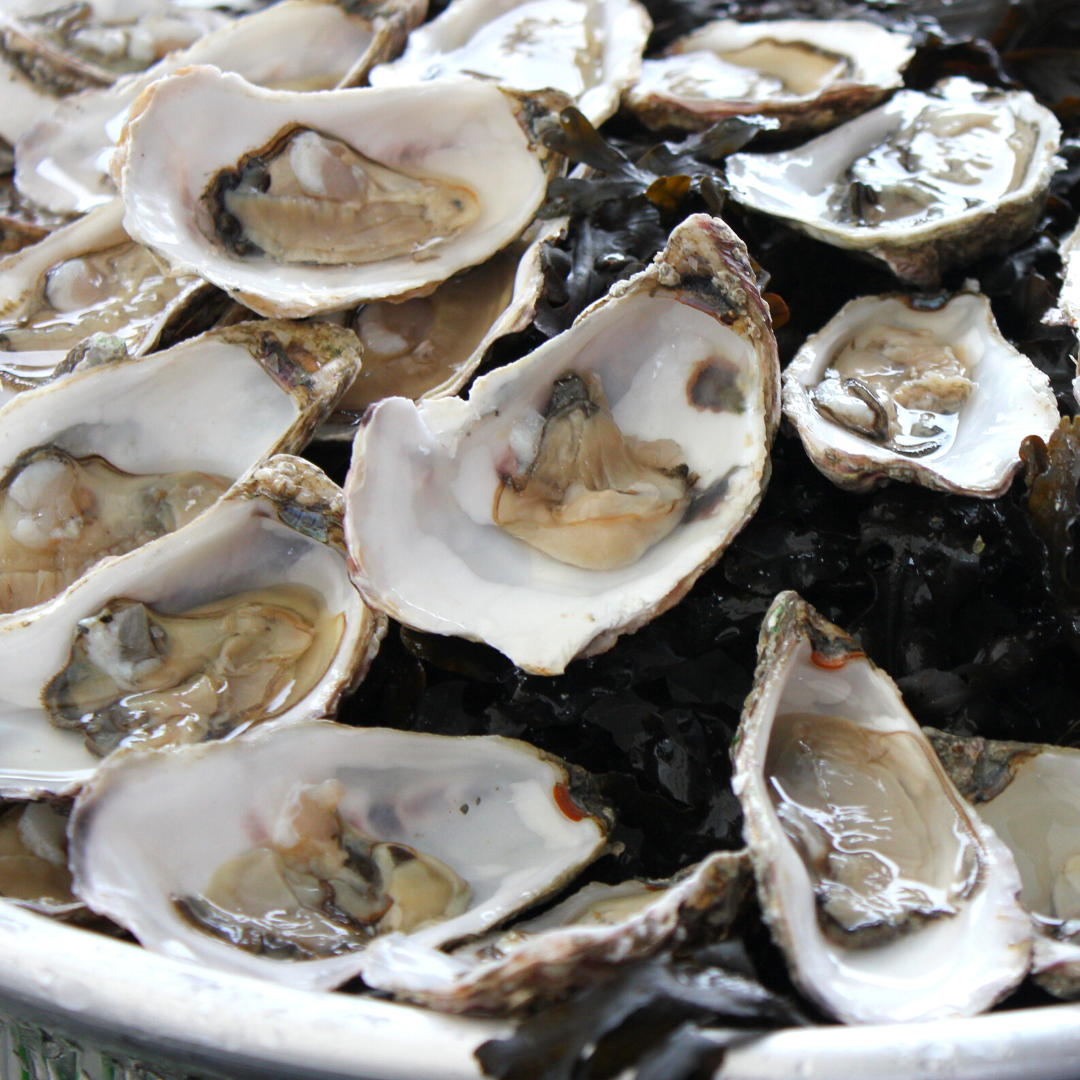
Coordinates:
[536,537]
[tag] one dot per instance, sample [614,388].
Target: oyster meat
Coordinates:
[137,674]
[929,393]
[59,515]
[582,489]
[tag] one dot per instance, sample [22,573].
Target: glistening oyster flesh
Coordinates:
[581,490]
[808,75]
[343,825]
[889,897]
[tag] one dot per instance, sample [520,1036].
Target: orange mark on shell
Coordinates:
[565,802]
[833,663]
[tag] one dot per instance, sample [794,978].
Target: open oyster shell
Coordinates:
[62,162]
[929,394]
[1029,794]
[418,156]
[925,182]
[890,898]
[429,346]
[807,75]
[281,526]
[685,356]
[588,49]
[579,942]
[151,829]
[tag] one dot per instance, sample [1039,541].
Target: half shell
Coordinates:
[890,899]
[684,354]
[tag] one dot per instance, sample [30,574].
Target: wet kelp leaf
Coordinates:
[1052,473]
[652,1013]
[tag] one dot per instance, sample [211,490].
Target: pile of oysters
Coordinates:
[241,243]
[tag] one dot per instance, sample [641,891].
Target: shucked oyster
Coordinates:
[808,75]
[246,616]
[889,897]
[283,853]
[401,177]
[931,394]
[581,490]
[926,182]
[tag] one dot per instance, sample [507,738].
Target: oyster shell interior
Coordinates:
[137,674]
[889,897]
[335,834]
[308,198]
[60,514]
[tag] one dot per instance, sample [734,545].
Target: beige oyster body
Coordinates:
[581,490]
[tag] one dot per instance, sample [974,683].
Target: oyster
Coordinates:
[104,460]
[589,49]
[282,854]
[1027,793]
[581,490]
[927,393]
[889,897]
[925,182]
[33,858]
[579,942]
[63,160]
[407,205]
[808,75]
[83,279]
[246,616]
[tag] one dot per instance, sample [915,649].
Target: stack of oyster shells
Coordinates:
[185,603]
